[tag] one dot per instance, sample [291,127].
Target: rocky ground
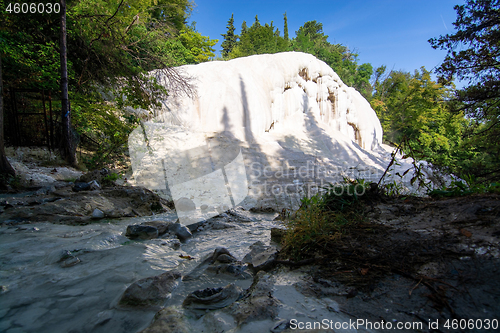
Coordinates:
[429,264]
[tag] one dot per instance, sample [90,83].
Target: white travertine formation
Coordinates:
[261,131]
[263,93]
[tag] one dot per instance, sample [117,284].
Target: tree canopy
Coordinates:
[259,39]
[474,57]
[112,47]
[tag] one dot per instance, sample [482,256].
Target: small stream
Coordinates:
[40,295]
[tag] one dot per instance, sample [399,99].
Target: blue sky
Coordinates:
[383,32]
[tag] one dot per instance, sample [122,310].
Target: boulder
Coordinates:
[261,257]
[213,298]
[81,186]
[181,231]
[141,231]
[169,320]
[150,291]
[97,214]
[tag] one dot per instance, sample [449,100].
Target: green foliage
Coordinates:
[113,45]
[415,108]
[311,39]
[461,188]
[102,126]
[229,38]
[473,56]
[259,39]
[323,218]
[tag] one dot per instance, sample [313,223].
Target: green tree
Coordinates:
[285,29]
[414,107]
[229,38]
[244,28]
[113,45]
[474,57]
[311,39]
[259,39]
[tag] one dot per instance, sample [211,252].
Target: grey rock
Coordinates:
[225,258]
[168,320]
[81,186]
[236,270]
[141,231]
[97,214]
[281,326]
[260,304]
[219,251]
[261,257]
[162,226]
[213,298]
[150,291]
[70,262]
[181,231]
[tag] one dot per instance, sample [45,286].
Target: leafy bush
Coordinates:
[323,218]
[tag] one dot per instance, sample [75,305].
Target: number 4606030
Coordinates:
[33,8]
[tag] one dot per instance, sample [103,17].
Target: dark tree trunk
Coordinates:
[68,145]
[5,167]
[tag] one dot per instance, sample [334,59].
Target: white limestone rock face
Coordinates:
[264,93]
[262,131]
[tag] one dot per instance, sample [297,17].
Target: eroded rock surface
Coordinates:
[151,291]
[65,206]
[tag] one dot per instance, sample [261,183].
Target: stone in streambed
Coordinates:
[261,257]
[141,231]
[168,320]
[181,231]
[213,298]
[150,291]
[97,214]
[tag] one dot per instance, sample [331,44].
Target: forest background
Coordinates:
[114,45]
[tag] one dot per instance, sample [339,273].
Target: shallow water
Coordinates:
[42,296]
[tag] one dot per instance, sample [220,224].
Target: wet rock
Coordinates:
[219,251]
[150,291]
[168,320]
[225,258]
[213,298]
[162,226]
[81,186]
[235,270]
[181,231]
[97,214]
[261,257]
[281,326]
[237,216]
[70,262]
[259,305]
[141,231]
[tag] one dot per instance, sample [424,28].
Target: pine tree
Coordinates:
[286,28]
[229,38]
[244,28]
[256,24]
